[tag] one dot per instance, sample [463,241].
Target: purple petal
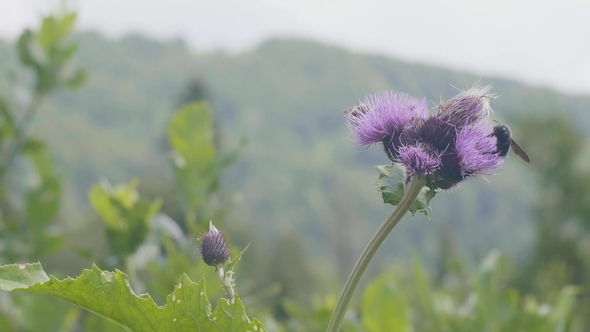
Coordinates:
[475,150]
[467,108]
[418,161]
[385,114]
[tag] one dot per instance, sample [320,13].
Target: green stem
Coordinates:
[410,194]
[229,290]
[31,112]
[21,131]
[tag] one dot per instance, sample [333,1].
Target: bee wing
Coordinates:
[519,151]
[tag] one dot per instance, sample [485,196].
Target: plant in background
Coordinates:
[133,225]
[109,294]
[128,220]
[429,153]
[215,252]
[27,212]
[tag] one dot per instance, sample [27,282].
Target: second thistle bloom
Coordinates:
[384,117]
[213,247]
[446,147]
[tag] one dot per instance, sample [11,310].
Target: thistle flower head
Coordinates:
[473,148]
[419,159]
[384,117]
[467,108]
[447,147]
[213,247]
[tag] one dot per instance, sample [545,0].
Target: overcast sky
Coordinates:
[535,41]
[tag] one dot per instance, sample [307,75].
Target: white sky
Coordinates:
[542,42]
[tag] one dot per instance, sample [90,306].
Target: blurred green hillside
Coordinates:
[300,171]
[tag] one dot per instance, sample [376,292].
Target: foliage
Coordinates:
[28,211]
[384,307]
[300,180]
[109,295]
[133,225]
[127,217]
[391,185]
[489,305]
[562,212]
[296,135]
[409,301]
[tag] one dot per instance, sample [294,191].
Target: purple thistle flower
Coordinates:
[418,160]
[436,132]
[213,247]
[476,151]
[447,147]
[384,117]
[473,154]
[467,107]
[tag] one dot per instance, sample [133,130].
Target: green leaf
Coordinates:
[30,52]
[391,183]
[127,217]
[61,55]
[41,312]
[126,194]
[231,265]
[561,312]
[101,203]
[109,295]
[38,155]
[43,202]
[96,323]
[77,79]
[384,307]
[138,223]
[425,293]
[15,276]
[47,79]
[54,29]
[6,122]
[33,145]
[191,136]
[163,276]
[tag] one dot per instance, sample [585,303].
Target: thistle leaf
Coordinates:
[391,183]
[109,295]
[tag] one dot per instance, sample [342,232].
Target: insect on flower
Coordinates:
[504,142]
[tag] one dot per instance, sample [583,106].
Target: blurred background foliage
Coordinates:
[156,140]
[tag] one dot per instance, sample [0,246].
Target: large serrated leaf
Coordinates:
[391,183]
[109,295]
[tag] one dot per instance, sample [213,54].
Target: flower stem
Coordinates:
[411,192]
[227,285]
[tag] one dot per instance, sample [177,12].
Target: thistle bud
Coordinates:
[213,247]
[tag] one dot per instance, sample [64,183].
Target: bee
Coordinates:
[504,142]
